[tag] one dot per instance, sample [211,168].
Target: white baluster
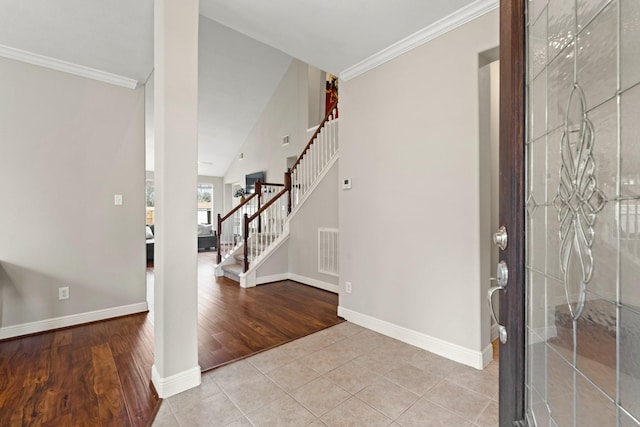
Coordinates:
[315,160]
[311,164]
[329,138]
[319,153]
[309,172]
[636,231]
[305,177]
[323,160]
[328,146]
[334,128]
[321,150]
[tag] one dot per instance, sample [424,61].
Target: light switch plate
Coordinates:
[117,199]
[346,184]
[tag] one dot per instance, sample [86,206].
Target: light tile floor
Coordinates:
[342,376]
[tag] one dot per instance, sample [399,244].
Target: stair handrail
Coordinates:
[222,219]
[266,189]
[320,149]
[237,208]
[258,216]
[266,205]
[271,184]
[315,134]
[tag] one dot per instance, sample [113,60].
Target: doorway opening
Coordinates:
[489,120]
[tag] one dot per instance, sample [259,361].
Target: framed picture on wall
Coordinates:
[251,179]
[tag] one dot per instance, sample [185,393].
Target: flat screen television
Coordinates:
[250,181]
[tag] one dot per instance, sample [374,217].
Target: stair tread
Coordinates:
[232,268]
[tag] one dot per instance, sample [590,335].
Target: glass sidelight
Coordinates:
[583,213]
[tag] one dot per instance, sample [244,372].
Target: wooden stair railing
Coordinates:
[229,226]
[263,214]
[265,226]
[321,148]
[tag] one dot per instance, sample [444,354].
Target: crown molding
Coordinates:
[420,37]
[67,67]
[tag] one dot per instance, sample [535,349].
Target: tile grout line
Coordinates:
[342,338]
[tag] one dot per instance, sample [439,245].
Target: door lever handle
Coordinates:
[502,331]
[503,278]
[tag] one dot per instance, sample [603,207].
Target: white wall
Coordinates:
[316,96]
[285,114]
[409,137]
[276,266]
[67,145]
[319,210]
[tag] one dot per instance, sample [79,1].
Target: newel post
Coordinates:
[246,242]
[259,192]
[287,185]
[219,256]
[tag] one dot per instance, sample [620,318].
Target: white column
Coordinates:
[176,366]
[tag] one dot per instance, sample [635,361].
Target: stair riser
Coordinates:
[232,276]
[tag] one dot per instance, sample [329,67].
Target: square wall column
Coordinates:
[176,366]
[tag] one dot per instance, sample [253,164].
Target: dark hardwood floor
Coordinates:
[234,322]
[91,375]
[99,374]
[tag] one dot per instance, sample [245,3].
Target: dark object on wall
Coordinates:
[250,181]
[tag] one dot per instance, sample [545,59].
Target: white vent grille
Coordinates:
[328,251]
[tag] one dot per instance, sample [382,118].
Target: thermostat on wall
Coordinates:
[346,184]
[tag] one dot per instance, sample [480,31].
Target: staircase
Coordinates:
[235,269]
[251,231]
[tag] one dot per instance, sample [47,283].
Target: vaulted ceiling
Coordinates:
[245,47]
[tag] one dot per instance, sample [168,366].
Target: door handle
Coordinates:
[502,273]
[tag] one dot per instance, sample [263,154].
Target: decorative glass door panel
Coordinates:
[583,213]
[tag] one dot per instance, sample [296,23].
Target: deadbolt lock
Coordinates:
[500,237]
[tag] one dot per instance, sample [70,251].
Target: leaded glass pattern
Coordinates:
[583,213]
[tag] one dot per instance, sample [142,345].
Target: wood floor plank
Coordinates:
[111,403]
[84,400]
[57,403]
[35,386]
[62,338]
[15,390]
[138,395]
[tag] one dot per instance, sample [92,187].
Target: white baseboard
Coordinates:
[177,383]
[298,278]
[314,282]
[71,320]
[273,278]
[440,347]
[487,355]
[248,279]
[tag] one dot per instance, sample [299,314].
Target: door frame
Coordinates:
[512,209]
